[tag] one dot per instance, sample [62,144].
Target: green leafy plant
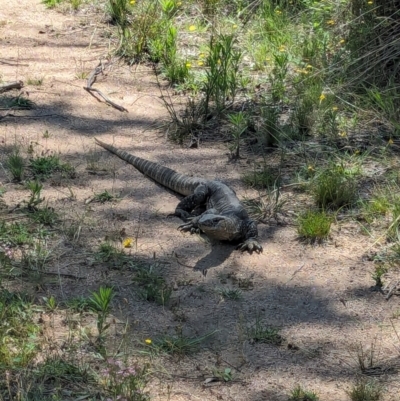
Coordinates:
[100,302]
[225,375]
[35,198]
[239,127]
[51,303]
[222,77]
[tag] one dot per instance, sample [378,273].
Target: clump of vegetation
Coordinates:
[152,286]
[43,166]
[16,165]
[264,334]
[18,330]
[366,390]
[109,254]
[265,178]
[314,225]
[233,294]
[299,394]
[178,344]
[103,197]
[377,275]
[334,188]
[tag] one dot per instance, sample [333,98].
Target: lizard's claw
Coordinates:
[250,245]
[189,226]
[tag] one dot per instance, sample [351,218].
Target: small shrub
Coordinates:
[365,390]
[314,225]
[299,394]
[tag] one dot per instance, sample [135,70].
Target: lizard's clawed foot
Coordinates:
[250,245]
[189,226]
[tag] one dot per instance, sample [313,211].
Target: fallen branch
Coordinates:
[11,85]
[92,79]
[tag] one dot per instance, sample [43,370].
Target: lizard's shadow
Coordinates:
[219,253]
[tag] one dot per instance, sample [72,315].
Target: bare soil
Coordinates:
[319,296]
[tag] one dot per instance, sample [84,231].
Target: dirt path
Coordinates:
[320,296]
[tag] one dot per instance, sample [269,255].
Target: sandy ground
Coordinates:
[318,296]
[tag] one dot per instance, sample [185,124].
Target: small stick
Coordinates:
[11,85]
[92,79]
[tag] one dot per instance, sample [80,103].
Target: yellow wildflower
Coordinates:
[201,55]
[331,22]
[188,65]
[279,12]
[127,243]
[335,108]
[148,341]
[342,134]
[132,2]
[390,142]
[310,168]
[322,97]
[200,63]
[309,67]
[342,41]
[268,59]
[192,28]
[370,2]
[234,26]
[282,48]
[179,3]
[219,61]
[357,152]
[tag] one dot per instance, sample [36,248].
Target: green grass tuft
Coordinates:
[314,225]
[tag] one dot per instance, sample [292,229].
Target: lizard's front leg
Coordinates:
[251,243]
[191,225]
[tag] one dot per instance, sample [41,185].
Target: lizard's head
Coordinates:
[219,227]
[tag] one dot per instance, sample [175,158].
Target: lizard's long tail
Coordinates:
[165,176]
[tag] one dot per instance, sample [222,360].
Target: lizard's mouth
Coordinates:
[219,227]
